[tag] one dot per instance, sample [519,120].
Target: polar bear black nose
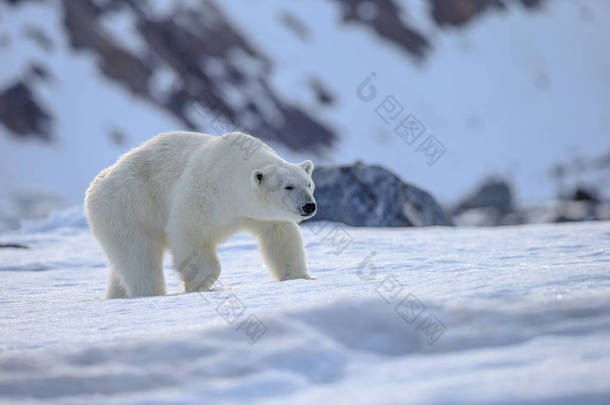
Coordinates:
[309,208]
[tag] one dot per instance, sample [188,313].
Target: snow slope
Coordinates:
[86,106]
[435,315]
[512,93]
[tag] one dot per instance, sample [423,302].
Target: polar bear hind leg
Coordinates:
[135,263]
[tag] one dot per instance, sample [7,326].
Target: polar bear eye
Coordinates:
[309,185]
[288,188]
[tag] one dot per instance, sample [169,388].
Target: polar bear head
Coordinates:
[287,191]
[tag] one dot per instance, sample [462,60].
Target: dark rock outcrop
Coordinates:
[21,113]
[583,204]
[460,12]
[585,194]
[493,193]
[490,204]
[12,246]
[206,53]
[369,195]
[567,211]
[384,17]
[84,32]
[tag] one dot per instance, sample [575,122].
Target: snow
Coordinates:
[82,139]
[429,315]
[435,315]
[511,94]
[122,27]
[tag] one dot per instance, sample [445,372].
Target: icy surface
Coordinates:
[437,315]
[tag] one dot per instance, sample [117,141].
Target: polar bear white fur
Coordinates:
[188,192]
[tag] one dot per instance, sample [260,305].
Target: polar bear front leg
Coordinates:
[281,245]
[199,268]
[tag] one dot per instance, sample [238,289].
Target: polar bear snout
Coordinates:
[308,209]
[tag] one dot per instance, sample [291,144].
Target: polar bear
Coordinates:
[189,192]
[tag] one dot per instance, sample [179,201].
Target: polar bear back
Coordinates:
[142,184]
[143,179]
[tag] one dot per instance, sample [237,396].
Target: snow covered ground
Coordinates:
[434,315]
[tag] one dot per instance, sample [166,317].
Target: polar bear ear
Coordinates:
[258,177]
[307,166]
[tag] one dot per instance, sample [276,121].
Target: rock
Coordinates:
[493,193]
[12,246]
[214,78]
[21,112]
[583,204]
[369,195]
[567,211]
[383,17]
[460,12]
[490,204]
[200,45]
[584,194]
[323,95]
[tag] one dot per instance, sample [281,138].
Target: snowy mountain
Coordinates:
[495,86]
[418,315]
